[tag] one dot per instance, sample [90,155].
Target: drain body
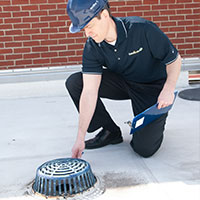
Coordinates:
[63,177]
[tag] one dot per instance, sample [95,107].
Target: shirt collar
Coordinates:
[121,31]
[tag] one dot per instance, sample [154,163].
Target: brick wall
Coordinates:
[34,33]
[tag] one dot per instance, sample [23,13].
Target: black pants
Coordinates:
[145,141]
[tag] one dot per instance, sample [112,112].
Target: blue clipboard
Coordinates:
[149,115]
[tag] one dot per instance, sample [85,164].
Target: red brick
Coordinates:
[151,13]
[60,1]
[184,1]
[162,18]
[49,54]
[14,32]
[184,11]
[31,31]
[193,16]
[192,5]
[31,55]
[184,23]
[177,41]
[13,44]
[58,60]
[13,20]
[167,1]
[22,50]
[31,19]
[184,34]
[5,26]
[167,12]
[1,33]
[57,48]
[176,29]
[14,57]
[67,53]
[193,51]
[196,33]
[5,14]
[5,51]
[75,46]
[125,9]
[142,8]
[176,17]
[57,36]
[49,42]
[168,23]
[175,6]
[49,30]
[117,3]
[6,63]
[6,39]
[80,40]
[47,7]
[192,28]
[39,37]
[150,2]
[40,25]
[193,39]
[31,43]
[197,45]
[5,3]
[62,6]
[17,2]
[57,24]
[159,7]
[38,1]
[11,8]
[23,62]
[22,38]
[57,12]
[184,46]
[30,7]
[63,29]
[2,57]
[41,61]
[39,49]
[136,13]
[48,18]
[38,13]
[62,18]
[67,41]
[21,26]
[77,58]
[20,14]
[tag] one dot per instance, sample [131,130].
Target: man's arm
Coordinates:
[166,96]
[87,107]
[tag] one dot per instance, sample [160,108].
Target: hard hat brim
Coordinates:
[74,29]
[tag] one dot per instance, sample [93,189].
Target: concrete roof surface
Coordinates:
[39,123]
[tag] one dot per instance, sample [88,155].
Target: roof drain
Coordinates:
[66,177]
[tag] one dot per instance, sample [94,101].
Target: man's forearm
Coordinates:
[87,107]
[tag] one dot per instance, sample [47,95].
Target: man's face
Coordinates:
[97,29]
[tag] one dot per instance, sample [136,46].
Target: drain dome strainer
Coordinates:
[63,178]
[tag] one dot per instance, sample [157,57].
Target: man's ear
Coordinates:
[104,13]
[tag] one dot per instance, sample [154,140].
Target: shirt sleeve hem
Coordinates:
[172,60]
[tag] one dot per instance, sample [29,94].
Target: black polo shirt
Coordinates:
[140,53]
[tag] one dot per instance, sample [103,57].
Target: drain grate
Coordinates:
[63,177]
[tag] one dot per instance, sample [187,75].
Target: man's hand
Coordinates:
[78,148]
[165,98]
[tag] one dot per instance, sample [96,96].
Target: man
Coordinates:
[123,58]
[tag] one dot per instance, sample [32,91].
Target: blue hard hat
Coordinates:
[82,11]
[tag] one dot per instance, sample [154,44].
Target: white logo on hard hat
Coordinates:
[93,5]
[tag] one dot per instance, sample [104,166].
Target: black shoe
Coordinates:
[103,138]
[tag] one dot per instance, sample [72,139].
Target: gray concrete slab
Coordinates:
[39,123]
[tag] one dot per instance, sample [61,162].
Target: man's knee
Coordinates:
[146,150]
[73,81]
